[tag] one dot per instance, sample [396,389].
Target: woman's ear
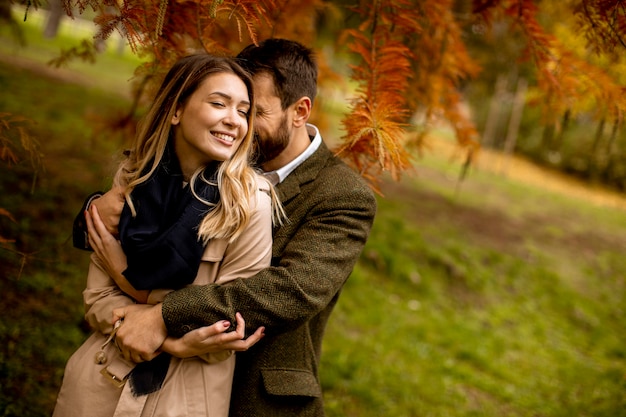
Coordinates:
[176,116]
[302,110]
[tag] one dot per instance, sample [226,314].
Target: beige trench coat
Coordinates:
[198,386]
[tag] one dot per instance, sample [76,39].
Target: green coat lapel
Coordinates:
[304,173]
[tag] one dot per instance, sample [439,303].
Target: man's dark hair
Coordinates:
[291,65]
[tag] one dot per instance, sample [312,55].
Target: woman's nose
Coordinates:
[233,118]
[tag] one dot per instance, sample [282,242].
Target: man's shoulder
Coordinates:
[331,163]
[329,174]
[338,181]
[341,171]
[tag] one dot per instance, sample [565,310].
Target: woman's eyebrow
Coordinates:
[228,97]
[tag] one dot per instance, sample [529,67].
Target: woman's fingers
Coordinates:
[215,334]
[209,333]
[97,231]
[240,330]
[92,235]
[97,222]
[238,342]
[107,248]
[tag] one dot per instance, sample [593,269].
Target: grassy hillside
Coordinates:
[41,275]
[493,299]
[502,301]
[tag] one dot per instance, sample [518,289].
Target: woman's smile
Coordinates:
[224,137]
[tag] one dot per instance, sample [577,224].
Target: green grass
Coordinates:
[114,64]
[42,275]
[442,319]
[497,300]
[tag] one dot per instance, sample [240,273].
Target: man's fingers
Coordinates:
[117,317]
[119,314]
[142,332]
[135,357]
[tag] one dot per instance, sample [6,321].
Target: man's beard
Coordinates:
[270,146]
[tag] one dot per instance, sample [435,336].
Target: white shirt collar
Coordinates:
[315,143]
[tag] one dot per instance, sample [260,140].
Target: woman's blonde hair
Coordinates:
[236,179]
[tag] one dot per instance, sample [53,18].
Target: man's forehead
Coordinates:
[265,93]
[264,84]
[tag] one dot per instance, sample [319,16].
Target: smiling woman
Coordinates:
[212,123]
[195,212]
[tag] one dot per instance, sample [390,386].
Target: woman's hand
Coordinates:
[110,206]
[212,339]
[111,254]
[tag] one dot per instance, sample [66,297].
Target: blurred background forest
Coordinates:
[494,280]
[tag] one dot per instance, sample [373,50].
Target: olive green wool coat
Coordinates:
[330,211]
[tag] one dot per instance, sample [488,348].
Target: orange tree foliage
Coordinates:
[408,57]
[563,77]
[16,145]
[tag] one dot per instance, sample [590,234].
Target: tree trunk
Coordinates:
[560,138]
[515,120]
[547,139]
[495,110]
[54,19]
[613,137]
[612,156]
[553,141]
[595,159]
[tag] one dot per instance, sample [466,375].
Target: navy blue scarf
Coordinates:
[161,243]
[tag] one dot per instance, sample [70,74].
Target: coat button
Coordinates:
[100,358]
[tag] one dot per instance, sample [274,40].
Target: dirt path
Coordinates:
[60,74]
[521,170]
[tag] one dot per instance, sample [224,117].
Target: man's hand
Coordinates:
[110,207]
[142,331]
[212,339]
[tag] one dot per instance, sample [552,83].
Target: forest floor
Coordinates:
[519,169]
